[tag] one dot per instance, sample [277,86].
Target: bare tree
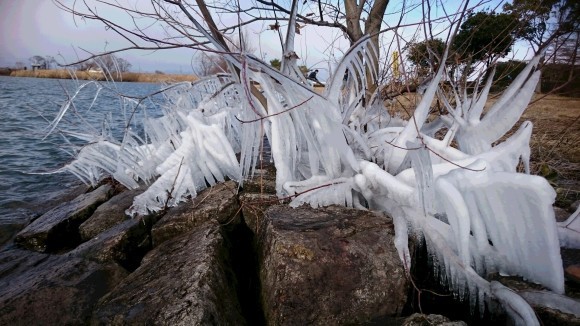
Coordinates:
[112,63]
[38,61]
[50,62]
[209,64]
[182,21]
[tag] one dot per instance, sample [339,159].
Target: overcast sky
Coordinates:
[39,27]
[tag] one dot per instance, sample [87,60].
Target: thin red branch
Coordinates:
[275,114]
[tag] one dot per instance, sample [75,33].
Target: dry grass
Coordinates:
[557,123]
[126,76]
[555,139]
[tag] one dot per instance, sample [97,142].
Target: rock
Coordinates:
[52,200]
[552,308]
[183,281]
[561,214]
[548,316]
[560,309]
[125,244]
[417,319]
[16,261]
[574,207]
[219,203]
[9,228]
[108,214]
[573,273]
[253,207]
[263,180]
[24,213]
[259,193]
[52,289]
[329,266]
[58,228]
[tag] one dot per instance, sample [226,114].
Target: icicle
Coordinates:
[402,241]
[569,231]
[516,306]
[421,163]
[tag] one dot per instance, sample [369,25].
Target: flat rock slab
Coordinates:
[550,308]
[37,288]
[184,281]
[219,203]
[329,266]
[58,228]
[108,214]
[125,244]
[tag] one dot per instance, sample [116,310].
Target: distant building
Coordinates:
[37,66]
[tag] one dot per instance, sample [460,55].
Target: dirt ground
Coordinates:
[556,124]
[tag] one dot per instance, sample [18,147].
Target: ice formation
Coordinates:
[477,213]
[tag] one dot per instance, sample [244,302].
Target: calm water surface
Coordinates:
[26,107]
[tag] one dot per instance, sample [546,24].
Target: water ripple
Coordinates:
[26,107]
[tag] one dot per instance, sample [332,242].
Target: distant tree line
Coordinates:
[106,62]
[46,62]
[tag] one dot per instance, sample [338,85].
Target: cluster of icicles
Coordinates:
[476,212]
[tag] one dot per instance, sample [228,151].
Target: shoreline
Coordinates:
[85,75]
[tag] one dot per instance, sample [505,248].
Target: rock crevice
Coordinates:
[225,257]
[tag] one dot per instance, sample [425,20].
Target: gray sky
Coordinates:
[39,27]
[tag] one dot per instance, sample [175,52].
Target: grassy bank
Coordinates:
[555,150]
[125,76]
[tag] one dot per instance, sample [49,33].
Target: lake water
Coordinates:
[26,107]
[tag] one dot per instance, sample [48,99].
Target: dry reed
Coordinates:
[85,75]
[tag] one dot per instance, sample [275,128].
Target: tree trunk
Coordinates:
[372,27]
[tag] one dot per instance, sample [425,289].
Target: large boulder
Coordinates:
[219,203]
[108,214]
[329,266]
[57,229]
[183,281]
[125,243]
[52,289]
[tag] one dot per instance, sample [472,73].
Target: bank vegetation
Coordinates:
[123,76]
